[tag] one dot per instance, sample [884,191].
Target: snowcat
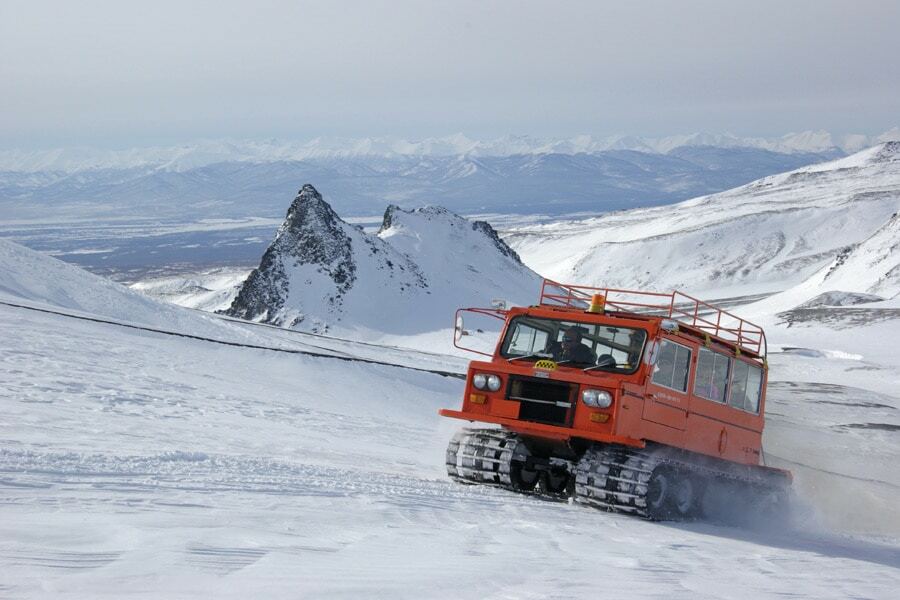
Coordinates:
[659,412]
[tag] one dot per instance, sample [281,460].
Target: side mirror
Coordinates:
[458,330]
[481,337]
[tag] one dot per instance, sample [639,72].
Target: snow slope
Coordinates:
[873,266]
[30,280]
[26,275]
[134,465]
[212,291]
[767,235]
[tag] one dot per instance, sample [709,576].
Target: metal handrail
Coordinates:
[675,305]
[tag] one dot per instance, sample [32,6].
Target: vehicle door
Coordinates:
[667,400]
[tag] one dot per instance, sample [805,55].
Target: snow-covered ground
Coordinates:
[136,463]
[210,290]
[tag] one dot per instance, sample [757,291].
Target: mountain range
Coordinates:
[190,156]
[361,185]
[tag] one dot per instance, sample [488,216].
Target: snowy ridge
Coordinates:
[322,274]
[185,157]
[767,235]
[42,280]
[865,272]
[873,266]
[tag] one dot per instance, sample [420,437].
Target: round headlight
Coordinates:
[604,399]
[480,381]
[493,383]
[589,397]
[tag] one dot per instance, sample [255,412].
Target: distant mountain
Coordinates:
[191,156]
[537,183]
[323,274]
[767,235]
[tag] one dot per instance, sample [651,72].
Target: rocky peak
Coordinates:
[312,235]
[316,260]
[309,211]
[388,218]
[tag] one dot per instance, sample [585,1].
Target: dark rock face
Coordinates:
[388,218]
[310,235]
[485,228]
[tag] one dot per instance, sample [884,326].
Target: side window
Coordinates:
[754,388]
[746,387]
[712,375]
[672,366]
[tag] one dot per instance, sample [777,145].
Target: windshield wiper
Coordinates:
[535,355]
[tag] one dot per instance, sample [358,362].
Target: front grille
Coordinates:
[541,401]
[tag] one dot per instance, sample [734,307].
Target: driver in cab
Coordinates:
[571,349]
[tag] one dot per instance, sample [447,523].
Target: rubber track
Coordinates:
[616,479]
[482,456]
[610,478]
[234,344]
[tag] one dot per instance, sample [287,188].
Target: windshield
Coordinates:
[584,345]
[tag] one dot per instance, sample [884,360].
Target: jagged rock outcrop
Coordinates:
[321,272]
[316,250]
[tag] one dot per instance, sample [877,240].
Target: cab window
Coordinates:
[610,348]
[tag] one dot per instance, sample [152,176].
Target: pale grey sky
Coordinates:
[138,73]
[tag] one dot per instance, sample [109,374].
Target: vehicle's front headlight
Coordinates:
[479,381]
[493,383]
[596,398]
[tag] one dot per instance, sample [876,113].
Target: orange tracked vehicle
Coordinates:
[637,402]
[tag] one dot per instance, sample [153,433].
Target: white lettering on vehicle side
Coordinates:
[667,397]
